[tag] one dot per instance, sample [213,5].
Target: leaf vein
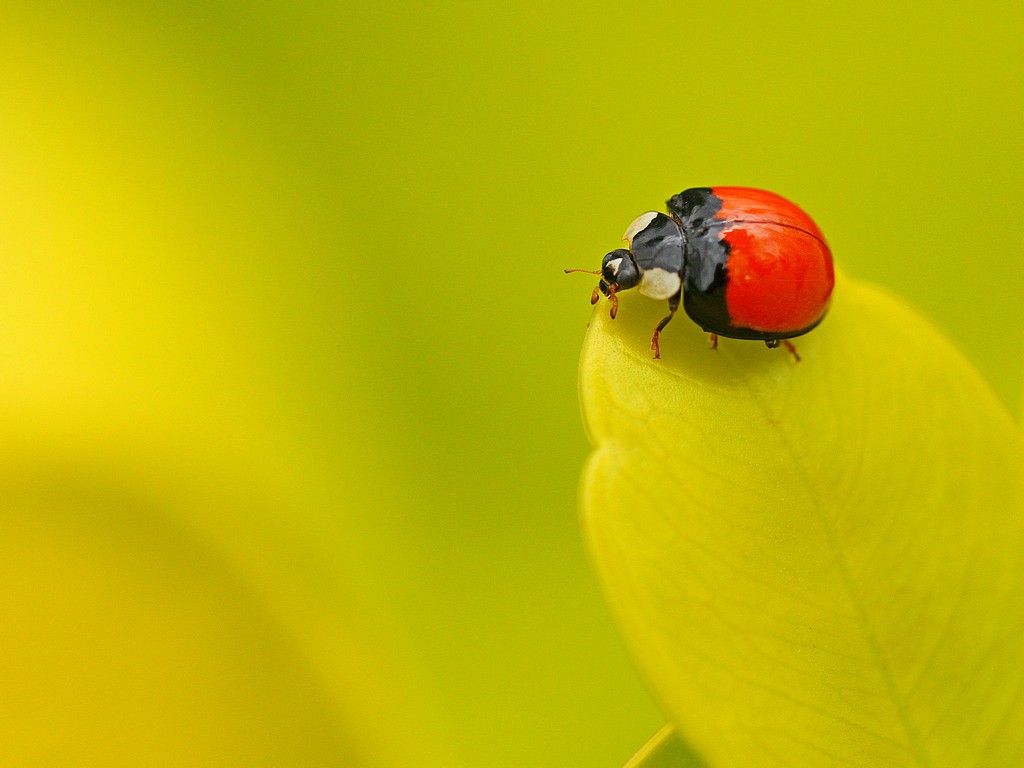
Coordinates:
[915,745]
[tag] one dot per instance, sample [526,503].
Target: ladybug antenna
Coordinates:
[596,295]
[608,290]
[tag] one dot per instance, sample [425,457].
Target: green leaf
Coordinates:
[665,750]
[815,563]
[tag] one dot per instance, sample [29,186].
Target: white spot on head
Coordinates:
[614,265]
[659,284]
[638,225]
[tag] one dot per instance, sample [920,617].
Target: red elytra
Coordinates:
[779,268]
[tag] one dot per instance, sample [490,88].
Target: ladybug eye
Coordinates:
[639,224]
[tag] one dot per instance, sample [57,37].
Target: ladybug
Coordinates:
[744,263]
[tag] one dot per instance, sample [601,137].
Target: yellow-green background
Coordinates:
[290,440]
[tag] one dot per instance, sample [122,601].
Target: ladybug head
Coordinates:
[618,272]
[654,241]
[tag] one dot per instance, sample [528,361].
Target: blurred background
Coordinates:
[290,438]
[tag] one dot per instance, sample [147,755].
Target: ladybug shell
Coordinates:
[756,265]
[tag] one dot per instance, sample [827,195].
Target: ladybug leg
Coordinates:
[673,305]
[773,343]
[596,295]
[713,340]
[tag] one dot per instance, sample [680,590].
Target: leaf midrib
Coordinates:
[915,743]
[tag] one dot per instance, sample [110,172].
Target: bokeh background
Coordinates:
[290,439]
